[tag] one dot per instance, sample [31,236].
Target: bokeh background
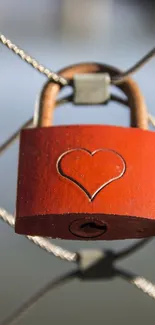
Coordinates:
[59,33]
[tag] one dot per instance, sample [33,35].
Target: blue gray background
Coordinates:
[59,33]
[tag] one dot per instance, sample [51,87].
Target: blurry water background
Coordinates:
[59,33]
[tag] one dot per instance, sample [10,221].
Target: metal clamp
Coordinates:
[91,88]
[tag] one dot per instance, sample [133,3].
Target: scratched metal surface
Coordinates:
[60,33]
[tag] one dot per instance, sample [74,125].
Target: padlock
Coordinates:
[87,182]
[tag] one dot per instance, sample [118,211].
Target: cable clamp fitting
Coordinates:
[91,88]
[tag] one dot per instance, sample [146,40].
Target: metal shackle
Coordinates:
[135,99]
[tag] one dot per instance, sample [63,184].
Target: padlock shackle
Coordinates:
[136,102]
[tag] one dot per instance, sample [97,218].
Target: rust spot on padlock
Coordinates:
[88,228]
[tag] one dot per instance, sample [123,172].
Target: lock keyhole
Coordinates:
[88,228]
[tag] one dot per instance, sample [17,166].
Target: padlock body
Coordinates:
[88,182]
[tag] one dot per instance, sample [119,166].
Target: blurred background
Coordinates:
[58,33]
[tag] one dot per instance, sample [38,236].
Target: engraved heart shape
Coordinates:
[91,171]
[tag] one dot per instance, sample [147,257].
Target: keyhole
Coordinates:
[88,228]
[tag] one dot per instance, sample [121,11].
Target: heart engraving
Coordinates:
[91,171]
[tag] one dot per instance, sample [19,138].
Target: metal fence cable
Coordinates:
[140,282]
[28,123]
[32,301]
[43,243]
[119,79]
[132,249]
[105,269]
[62,81]
[33,62]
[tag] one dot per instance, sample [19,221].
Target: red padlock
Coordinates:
[90,182]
